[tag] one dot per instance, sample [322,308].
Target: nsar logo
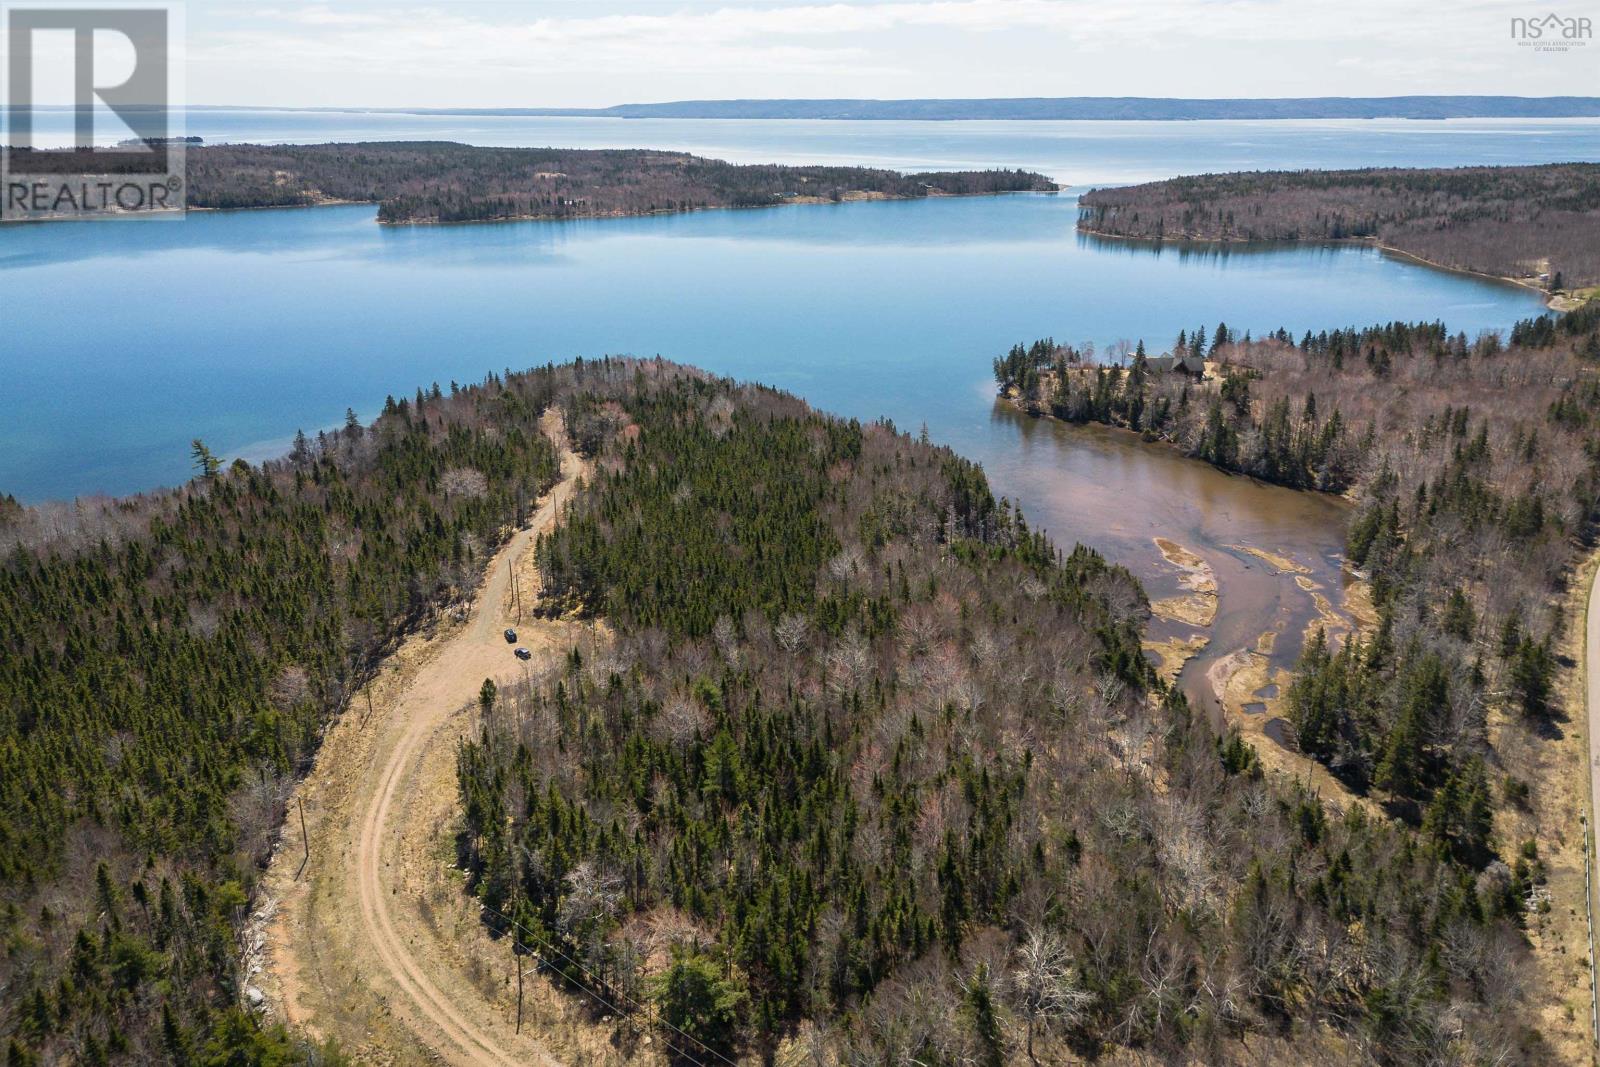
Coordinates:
[1552,32]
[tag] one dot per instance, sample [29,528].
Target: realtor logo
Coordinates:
[109,149]
[1552,32]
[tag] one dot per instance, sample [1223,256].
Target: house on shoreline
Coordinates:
[1192,366]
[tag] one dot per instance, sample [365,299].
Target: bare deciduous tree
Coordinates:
[464,481]
[791,631]
[1045,985]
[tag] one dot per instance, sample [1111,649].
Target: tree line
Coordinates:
[447,182]
[864,767]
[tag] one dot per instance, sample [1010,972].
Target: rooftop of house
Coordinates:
[1168,363]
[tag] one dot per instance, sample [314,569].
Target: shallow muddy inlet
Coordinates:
[1275,555]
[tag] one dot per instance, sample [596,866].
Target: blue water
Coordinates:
[126,340]
[1079,153]
[122,341]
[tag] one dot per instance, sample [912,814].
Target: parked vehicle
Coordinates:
[523,653]
[511,636]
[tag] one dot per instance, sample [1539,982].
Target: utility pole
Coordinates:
[511,929]
[305,839]
[518,965]
[516,590]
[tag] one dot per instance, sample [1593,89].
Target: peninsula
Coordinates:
[1537,226]
[436,181]
[823,769]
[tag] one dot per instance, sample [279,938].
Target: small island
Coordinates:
[436,181]
[1536,226]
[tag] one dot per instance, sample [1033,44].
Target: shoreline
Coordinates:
[329,202]
[855,197]
[1554,301]
[858,196]
[1169,445]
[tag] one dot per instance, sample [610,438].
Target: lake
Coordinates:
[123,341]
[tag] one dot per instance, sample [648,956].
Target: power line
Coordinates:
[602,1001]
[641,1008]
[534,952]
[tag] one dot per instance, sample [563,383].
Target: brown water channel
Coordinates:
[1127,498]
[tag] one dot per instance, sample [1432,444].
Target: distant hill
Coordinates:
[1078,107]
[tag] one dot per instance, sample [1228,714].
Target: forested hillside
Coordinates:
[167,665]
[1536,223]
[864,765]
[445,182]
[1474,467]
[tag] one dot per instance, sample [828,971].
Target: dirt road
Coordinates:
[1591,676]
[1591,671]
[375,944]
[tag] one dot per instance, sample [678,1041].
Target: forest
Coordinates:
[167,665]
[1473,467]
[864,770]
[414,182]
[1538,224]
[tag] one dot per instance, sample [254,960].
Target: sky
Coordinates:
[578,53]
